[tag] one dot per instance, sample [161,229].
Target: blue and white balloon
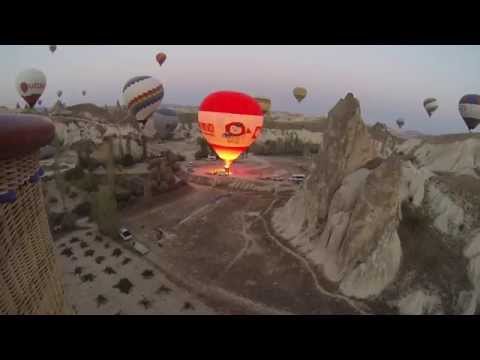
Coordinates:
[142,95]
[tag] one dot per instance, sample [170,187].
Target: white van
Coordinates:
[297,178]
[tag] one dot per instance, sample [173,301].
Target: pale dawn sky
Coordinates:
[389,81]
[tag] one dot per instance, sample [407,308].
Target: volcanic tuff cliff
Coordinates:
[388,222]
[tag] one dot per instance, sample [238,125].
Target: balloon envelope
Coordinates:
[52,48]
[230,122]
[142,95]
[161,57]
[59,93]
[84,93]
[265,104]
[469,108]
[430,105]
[300,93]
[30,85]
[165,122]
[400,122]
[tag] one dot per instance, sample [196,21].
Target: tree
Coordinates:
[105,211]
[59,179]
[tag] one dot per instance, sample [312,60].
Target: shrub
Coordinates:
[74,174]
[128,160]
[83,209]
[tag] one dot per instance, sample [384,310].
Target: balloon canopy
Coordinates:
[161,57]
[430,105]
[30,85]
[142,95]
[230,122]
[265,104]
[469,108]
[400,122]
[299,93]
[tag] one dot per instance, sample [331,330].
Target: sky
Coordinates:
[389,81]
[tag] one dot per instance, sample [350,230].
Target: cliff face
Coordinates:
[345,217]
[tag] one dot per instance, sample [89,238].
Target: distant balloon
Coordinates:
[142,95]
[265,104]
[52,48]
[84,93]
[39,102]
[18,105]
[165,121]
[430,105]
[230,122]
[59,93]
[469,108]
[400,122]
[300,93]
[161,57]
[30,85]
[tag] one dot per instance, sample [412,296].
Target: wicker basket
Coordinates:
[30,282]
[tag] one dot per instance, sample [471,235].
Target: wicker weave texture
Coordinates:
[30,282]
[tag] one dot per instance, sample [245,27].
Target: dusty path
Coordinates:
[308,267]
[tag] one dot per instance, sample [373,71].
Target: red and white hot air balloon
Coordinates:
[30,85]
[230,122]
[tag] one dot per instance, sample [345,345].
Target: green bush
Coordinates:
[74,174]
[83,209]
[128,160]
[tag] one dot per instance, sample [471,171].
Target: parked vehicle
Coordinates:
[125,234]
[297,178]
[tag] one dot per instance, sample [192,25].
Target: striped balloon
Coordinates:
[430,105]
[142,95]
[469,108]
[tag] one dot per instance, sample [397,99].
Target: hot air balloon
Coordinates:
[39,102]
[142,95]
[430,105]
[59,93]
[400,122]
[265,104]
[299,93]
[165,122]
[161,57]
[52,48]
[230,122]
[84,93]
[469,108]
[30,85]
[18,105]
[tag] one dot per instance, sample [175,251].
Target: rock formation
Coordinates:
[345,217]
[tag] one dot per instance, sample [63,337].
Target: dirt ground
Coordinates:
[102,276]
[219,239]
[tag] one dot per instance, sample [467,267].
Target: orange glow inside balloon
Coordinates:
[230,122]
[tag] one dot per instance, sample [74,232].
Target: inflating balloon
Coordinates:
[52,48]
[430,105]
[142,95]
[161,57]
[400,122]
[265,104]
[469,108]
[230,122]
[30,85]
[300,93]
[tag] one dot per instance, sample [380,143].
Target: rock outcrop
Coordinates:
[345,217]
